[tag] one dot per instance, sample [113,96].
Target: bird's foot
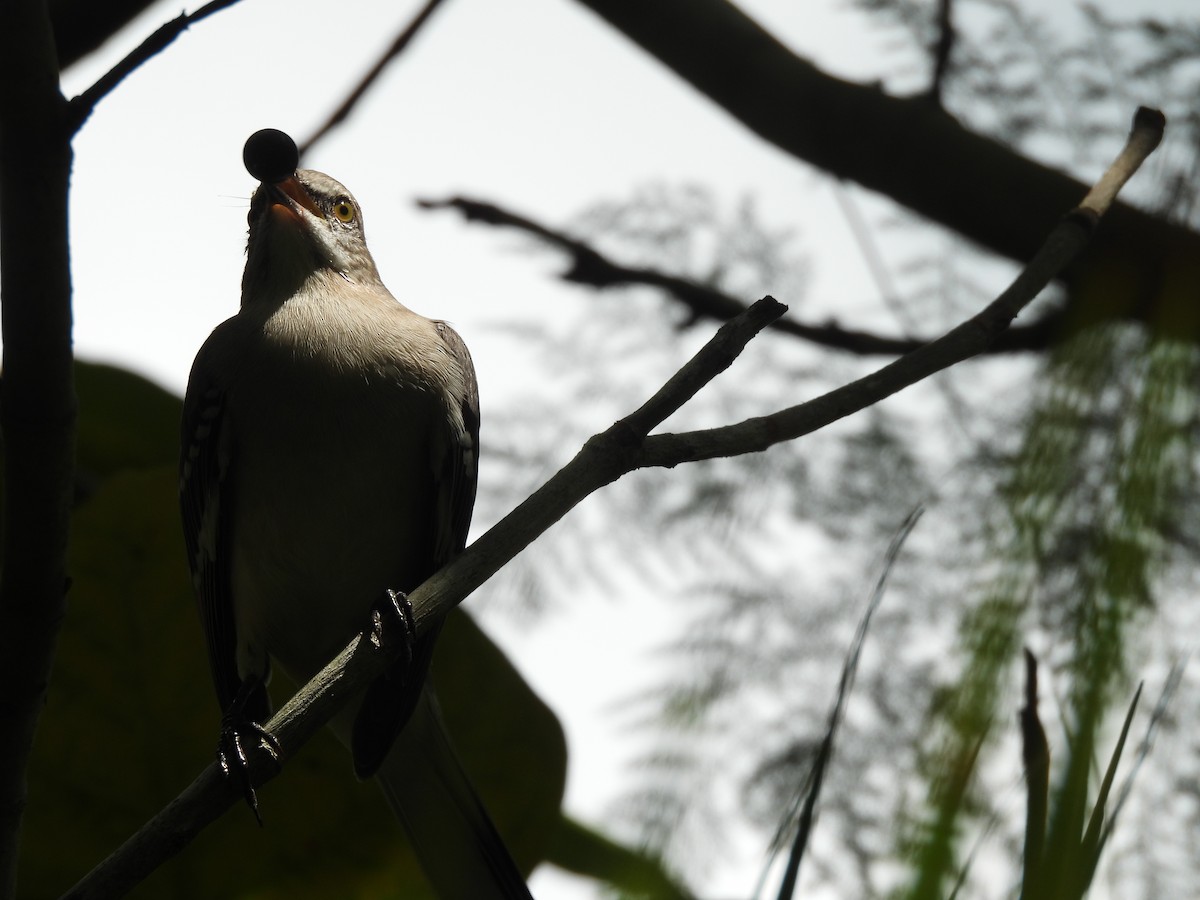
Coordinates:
[394,609]
[241,737]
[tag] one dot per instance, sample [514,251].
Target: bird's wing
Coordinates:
[205,501]
[454,461]
[459,848]
[459,465]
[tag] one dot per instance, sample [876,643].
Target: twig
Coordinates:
[398,45]
[603,459]
[1148,127]
[942,50]
[590,267]
[1062,246]
[81,107]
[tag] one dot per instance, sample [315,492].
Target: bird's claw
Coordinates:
[240,737]
[396,608]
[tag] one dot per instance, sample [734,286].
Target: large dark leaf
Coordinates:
[132,716]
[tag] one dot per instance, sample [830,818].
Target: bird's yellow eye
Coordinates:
[343,211]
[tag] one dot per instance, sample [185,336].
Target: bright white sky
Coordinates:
[538,105]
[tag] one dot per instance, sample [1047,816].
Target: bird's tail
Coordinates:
[456,843]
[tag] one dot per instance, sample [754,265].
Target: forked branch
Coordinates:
[625,446]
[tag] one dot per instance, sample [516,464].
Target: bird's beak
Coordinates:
[289,194]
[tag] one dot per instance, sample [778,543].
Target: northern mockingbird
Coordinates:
[330,454]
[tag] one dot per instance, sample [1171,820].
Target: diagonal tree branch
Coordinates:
[625,446]
[82,26]
[602,460]
[905,148]
[165,35]
[368,81]
[591,267]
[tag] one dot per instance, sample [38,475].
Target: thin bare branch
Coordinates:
[83,26]
[942,49]
[1147,133]
[83,105]
[591,267]
[969,339]
[402,40]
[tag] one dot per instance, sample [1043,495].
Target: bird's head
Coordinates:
[304,225]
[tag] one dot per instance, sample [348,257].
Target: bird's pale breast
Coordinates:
[368,482]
